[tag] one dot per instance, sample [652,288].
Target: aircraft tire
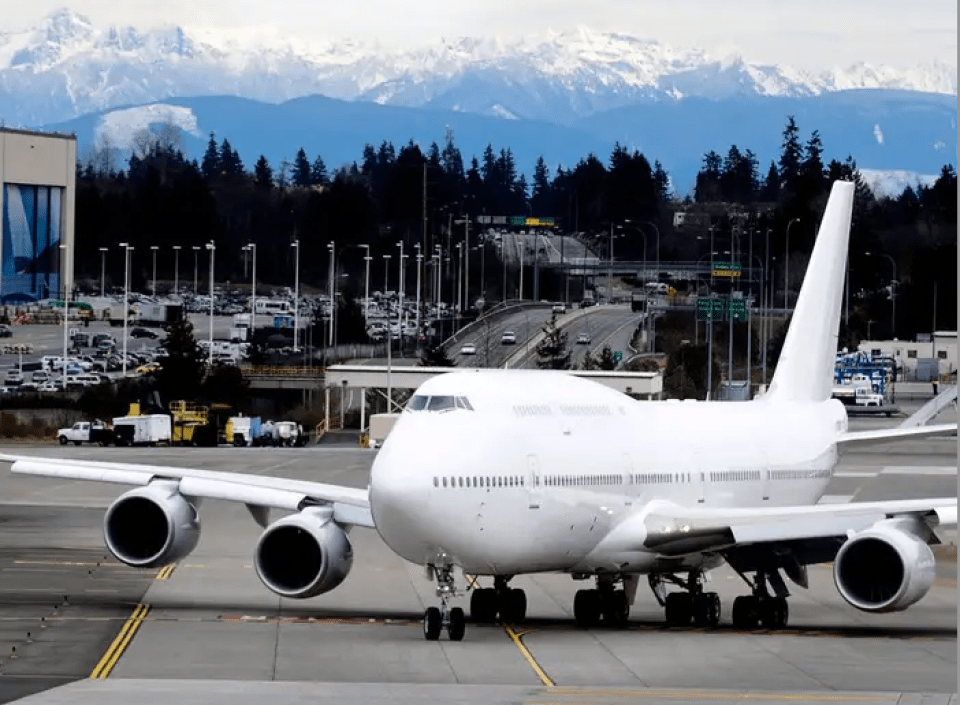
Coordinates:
[616,611]
[514,606]
[679,609]
[431,624]
[745,612]
[457,625]
[586,608]
[483,606]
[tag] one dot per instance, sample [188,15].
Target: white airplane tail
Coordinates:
[805,369]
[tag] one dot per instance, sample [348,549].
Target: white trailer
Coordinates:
[149,429]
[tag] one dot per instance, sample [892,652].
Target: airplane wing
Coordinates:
[855,438]
[351,506]
[672,530]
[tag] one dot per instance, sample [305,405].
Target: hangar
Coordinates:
[37,197]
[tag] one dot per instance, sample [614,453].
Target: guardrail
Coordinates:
[282,371]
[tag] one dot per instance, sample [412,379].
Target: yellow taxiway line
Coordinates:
[120,643]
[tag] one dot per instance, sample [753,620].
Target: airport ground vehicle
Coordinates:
[146,429]
[86,432]
[242,430]
[559,307]
[280,433]
[140,332]
[638,301]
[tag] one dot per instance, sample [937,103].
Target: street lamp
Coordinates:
[154,249]
[893,291]
[126,285]
[103,268]
[331,282]
[366,286]
[196,252]
[296,298]
[419,266]
[66,310]
[786,266]
[386,284]
[252,247]
[402,286]
[213,250]
[176,270]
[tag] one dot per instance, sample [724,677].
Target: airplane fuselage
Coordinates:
[541,468]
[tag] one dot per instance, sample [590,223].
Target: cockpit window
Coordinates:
[438,403]
[442,403]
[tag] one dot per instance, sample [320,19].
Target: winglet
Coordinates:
[804,371]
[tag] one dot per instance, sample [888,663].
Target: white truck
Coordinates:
[86,432]
[149,429]
[280,433]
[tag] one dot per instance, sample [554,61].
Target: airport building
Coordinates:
[37,197]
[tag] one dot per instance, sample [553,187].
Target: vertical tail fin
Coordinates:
[804,371]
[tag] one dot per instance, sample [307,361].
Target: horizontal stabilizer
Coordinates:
[882,435]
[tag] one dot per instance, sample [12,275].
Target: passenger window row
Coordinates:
[581,480]
[457,481]
[734,475]
[798,474]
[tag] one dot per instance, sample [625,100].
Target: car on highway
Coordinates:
[559,307]
[140,332]
[508,338]
[583,339]
[468,349]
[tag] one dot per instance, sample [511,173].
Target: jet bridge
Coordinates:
[640,385]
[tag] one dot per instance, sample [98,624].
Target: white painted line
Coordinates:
[856,474]
[835,499]
[920,470]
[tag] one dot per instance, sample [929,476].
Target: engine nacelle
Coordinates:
[151,526]
[885,568]
[304,554]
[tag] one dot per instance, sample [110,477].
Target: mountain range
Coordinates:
[561,96]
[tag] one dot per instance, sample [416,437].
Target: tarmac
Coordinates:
[207,631]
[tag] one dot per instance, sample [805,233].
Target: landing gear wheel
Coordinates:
[746,612]
[483,605]
[706,610]
[432,623]
[774,613]
[616,611]
[586,608]
[679,609]
[456,625]
[513,606]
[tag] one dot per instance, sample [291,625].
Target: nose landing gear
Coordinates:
[435,619]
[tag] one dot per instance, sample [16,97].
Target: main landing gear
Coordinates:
[604,604]
[770,611]
[691,604]
[510,605]
[435,619]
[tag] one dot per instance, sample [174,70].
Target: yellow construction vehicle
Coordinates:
[191,424]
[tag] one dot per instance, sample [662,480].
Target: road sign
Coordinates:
[738,309]
[617,355]
[711,309]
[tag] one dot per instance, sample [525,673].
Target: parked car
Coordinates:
[508,338]
[144,333]
[5,331]
[468,349]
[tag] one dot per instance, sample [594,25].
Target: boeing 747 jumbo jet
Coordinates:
[501,473]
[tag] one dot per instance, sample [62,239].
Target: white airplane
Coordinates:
[501,473]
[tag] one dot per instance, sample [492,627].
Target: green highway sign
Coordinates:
[738,309]
[711,309]
[732,266]
[617,355]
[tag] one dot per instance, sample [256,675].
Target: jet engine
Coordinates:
[304,554]
[885,568]
[151,526]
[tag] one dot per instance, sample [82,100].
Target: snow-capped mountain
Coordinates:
[66,67]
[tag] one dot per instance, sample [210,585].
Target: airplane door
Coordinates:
[765,478]
[699,471]
[533,482]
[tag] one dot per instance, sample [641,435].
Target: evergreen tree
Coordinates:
[662,181]
[771,185]
[263,173]
[451,158]
[790,156]
[181,371]
[540,197]
[210,166]
[318,172]
[708,188]
[435,356]
[301,169]
[230,164]
[602,361]
[552,352]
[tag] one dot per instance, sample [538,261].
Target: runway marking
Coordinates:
[919,470]
[166,572]
[662,694]
[270,619]
[851,473]
[84,564]
[518,640]
[120,643]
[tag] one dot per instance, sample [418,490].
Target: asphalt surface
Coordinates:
[211,622]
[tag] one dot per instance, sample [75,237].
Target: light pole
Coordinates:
[366,285]
[386,284]
[786,266]
[66,311]
[176,269]
[213,250]
[252,247]
[459,281]
[893,291]
[331,283]
[153,287]
[296,298]
[103,268]
[126,285]
[419,267]
[400,291]
[196,253]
